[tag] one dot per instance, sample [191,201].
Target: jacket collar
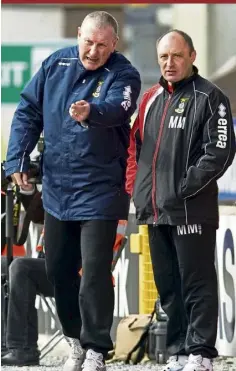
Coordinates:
[178,84]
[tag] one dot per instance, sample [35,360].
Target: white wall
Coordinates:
[27,24]
[222,38]
[36,23]
[192,19]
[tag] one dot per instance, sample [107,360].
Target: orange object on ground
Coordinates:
[17,250]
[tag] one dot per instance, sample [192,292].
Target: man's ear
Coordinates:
[115,42]
[79,32]
[193,56]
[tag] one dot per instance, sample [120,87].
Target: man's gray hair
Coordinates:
[103,19]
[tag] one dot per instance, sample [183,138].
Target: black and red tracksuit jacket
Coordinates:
[177,155]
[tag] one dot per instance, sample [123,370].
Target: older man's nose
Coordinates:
[93,50]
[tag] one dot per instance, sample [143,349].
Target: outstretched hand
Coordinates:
[80,110]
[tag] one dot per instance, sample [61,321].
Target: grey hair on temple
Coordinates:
[103,19]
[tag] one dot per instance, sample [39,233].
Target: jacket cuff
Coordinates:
[15,166]
[94,114]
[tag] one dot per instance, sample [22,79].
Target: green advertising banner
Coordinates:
[16,63]
[20,62]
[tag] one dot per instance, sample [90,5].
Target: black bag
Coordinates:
[34,212]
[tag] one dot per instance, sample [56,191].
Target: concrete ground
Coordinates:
[55,359]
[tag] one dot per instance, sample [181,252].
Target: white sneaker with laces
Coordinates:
[76,357]
[175,363]
[93,361]
[198,363]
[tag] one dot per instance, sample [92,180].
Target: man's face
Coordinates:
[175,58]
[95,45]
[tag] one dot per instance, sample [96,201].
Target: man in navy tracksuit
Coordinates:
[82,98]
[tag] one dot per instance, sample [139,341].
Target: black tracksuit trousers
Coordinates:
[85,306]
[27,279]
[183,259]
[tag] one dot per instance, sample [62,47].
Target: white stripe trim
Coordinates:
[135,150]
[186,212]
[201,92]
[68,58]
[194,115]
[186,166]
[208,132]
[21,160]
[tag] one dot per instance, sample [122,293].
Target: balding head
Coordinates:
[184,35]
[176,55]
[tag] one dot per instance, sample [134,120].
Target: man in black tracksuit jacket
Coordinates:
[182,142]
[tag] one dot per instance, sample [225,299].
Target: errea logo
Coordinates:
[222,127]
[64,64]
[222,110]
[222,133]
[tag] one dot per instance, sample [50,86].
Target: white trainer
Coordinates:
[76,357]
[93,361]
[175,363]
[198,363]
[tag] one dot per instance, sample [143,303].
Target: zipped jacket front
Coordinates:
[181,143]
[83,167]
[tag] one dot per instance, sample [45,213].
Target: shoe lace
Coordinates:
[93,361]
[76,349]
[195,360]
[173,360]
